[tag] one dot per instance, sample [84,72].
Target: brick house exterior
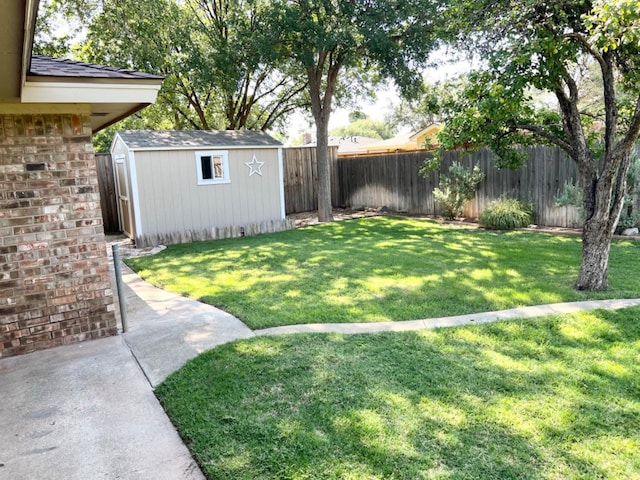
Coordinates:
[55,286]
[54,280]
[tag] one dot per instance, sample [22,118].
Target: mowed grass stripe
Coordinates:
[382,269]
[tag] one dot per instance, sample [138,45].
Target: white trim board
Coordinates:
[202,147]
[135,194]
[283,213]
[61,92]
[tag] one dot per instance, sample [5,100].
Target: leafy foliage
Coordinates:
[539,46]
[221,70]
[457,188]
[506,214]
[366,127]
[330,41]
[571,195]
[420,112]
[630,217]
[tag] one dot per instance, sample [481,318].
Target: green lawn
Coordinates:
[379,269]
[551,398]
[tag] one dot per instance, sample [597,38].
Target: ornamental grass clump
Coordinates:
[507,214]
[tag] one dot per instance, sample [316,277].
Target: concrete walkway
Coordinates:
[454,321]
[166,330]
[85,411]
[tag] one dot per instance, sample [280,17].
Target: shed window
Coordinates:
[213,167]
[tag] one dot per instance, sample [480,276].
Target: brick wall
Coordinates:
[55,286]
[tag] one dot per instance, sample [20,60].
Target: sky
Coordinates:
[386,98]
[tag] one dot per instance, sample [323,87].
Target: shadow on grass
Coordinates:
[549,398]
[379,269]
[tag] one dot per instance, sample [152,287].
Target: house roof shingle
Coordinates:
[159,139]
[42,66]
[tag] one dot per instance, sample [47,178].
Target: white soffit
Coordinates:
[63,92]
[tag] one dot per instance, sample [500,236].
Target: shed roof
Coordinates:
[55,67]
[172,139]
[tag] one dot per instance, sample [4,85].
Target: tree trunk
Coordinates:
[594,267]
[321,109]
[324,171]
[602,203]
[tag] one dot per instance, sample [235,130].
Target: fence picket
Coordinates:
[394,181]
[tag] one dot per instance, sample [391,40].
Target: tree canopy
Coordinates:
[547,46]
[331,40]
[365,127]
[221,69]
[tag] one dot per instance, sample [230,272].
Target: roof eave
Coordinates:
[110,100]
[30,15]
[109,91]
[97,125]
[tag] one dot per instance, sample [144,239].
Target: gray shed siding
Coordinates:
[167,205]
[171,200]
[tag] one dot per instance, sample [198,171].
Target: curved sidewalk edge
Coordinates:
[166,329]
[454,321]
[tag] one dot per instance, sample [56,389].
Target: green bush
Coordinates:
[506,213]
[457,188]
[628,217]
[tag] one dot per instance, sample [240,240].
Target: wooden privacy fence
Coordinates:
[106,184]
[394,181]
[300,171]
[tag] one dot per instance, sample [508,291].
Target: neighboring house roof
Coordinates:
[348,145]
[407,141]
[173,139]
[351,145]
[42,66]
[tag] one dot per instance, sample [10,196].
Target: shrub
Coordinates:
[505,214]
[628,217]
[457,188]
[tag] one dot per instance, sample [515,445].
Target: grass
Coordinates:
[381,269]
[550,398]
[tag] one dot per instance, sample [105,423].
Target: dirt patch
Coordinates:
[311,218]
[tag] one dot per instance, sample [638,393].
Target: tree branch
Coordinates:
[547,135]
[584,41]
[276,111]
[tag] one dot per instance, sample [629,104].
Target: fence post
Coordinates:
[119,287]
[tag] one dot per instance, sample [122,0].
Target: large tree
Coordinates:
[328,39]
[256,87]
[221,70]
[547,46]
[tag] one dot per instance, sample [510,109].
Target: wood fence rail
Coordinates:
[300,171]
[395,181]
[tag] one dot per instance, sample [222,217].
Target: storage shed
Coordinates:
[182,186]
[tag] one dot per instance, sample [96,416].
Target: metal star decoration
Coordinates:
[254,166]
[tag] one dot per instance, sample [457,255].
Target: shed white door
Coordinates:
[122,193]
